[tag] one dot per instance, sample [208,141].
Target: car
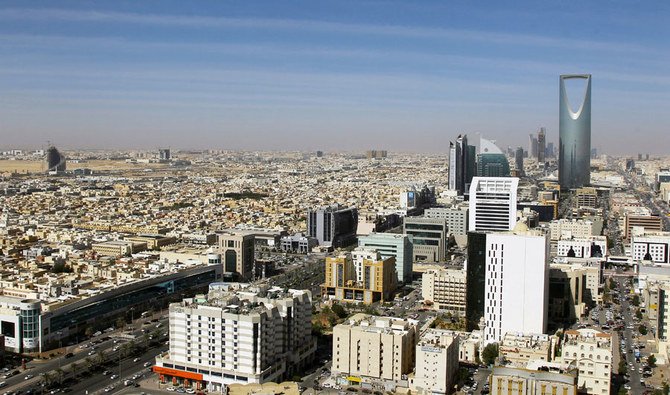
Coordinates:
[171,389]
[69,355]
[190,391]
[114,377]
[28,377]
[147,364]
[136,360]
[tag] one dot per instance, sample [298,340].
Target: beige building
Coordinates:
[650,223]
[519,381]
[118,247]
[152,241]
[518,349]
[586,197]
[590,351]
[377,280]
[237,254]
[369,348]
[573,288]
[436,362]
[445,289]
[568,229]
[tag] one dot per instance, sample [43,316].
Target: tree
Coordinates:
[120,322]
[339,310]
[490,353]
[651,361]
[101,357]
[89,331]
[638,314]
[59,374]
[642,329]
[73,368]
[90,363]
[636,300]
[623,368]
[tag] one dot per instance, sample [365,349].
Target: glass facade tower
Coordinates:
[574,157]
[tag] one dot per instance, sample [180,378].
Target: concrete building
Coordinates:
[393,245]
[429,238]
[571,229]
[650,223]
[541,145]
[373,348]
[237,252]
[238,335]
[517,282]
[574,128]
[436,362]
[518,349]
[573,289]
[651,247]
[506,380]
[152,241]
[445,288]
[586,197]
[492,204]
[118,247]
[591,353]
[377,281]
[333,225]
[456,216]
[592,247]
[461,164]
[297,243]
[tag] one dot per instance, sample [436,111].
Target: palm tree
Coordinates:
[46,379]
[59,374]
[90,363]
[101,357]
[123,350]
[73,368]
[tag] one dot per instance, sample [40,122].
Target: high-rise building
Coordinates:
[475,289]
[164,154]
[333,225]
[550,153]
[429,237]
[532,146]
[518,160]
[394,245]
[493,203]
[541,145]
[456,216]
[237,254]
[491,161]
[517,283]
[574,151]
[238,335]
[461,164]
[374,348]
[55,161]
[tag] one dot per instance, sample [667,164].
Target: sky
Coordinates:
[329,75]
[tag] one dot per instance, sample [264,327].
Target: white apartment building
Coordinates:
[651,247]
[516,285]
[518,349]
[238,334]
[570,229]
[445,288]
[374,348]
[436,362]
[360,254]
[590,351]
[594,246]
[492,203]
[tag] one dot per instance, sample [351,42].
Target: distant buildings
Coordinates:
[366,348]
[493,203]
[518,160]
[574,152]
[55,161]
[376,154]
[238,335]
[398,246]
[333,225]
[164,155]
[541,145]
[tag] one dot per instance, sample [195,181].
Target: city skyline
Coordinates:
[309,76]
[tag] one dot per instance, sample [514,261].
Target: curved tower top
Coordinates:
[574,157]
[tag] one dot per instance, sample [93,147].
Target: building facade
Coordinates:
[574,128]
[590,351]
[493,204]
[334,225]
[377,280]
[237,254]
[445,289]
[436,362]
[393,245]
[429,238]
[456,216]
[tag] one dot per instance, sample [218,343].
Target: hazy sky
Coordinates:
[330,75]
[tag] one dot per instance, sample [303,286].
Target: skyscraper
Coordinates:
[541,145]
[491,161]
[518,160]
[493,204]
[532,146]
[333,225]
[574,151]
[461,164]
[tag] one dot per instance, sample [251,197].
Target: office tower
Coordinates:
[491,161]
[550,150]
[493,203]
[394,245]
[237,252]
[374,348]
[461,164]
[376,154]
[164,154]
[650,223]
[590,351]
[436,362]
[445,289]
[518,160]
[516,274]
[541,145]
[319,154]
[334,225]
[475,268]
[532,146]
[377,278]
[594,153]
[574,148]
[55,161]
[429,237]
[456,216]
[630,165]
[411,198]
[238,335]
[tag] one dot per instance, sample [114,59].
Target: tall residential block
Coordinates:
[333,225]
[429,237]
[436,362]
[574,124]
[238,335]
[374,348]
[237,254]
[398,246]
[493,204]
